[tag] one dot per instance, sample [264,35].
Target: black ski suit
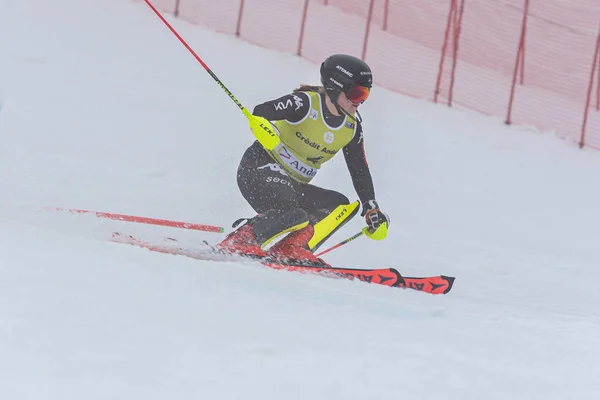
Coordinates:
[266,186]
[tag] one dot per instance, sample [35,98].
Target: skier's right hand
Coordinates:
[377,221]
[264,132]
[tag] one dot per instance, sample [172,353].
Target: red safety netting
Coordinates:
[532,62]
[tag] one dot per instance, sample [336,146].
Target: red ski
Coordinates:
[383,276]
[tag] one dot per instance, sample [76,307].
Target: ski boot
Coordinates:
[242,241]
[260,230]
[295,247]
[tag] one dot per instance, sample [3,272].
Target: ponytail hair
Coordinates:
[309,88]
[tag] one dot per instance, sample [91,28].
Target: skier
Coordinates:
[313,123]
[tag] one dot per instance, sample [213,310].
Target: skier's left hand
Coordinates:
[377,221]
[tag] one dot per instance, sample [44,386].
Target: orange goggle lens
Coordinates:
[358,94]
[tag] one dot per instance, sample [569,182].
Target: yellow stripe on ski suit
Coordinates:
[291,229]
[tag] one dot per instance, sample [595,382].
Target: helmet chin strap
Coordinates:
[334,92]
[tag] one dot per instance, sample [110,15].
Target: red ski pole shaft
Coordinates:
[351,238]
[196,56]
[260,128]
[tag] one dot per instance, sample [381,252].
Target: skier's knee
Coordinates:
[341,199]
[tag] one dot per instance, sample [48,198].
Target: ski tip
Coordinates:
[450,280]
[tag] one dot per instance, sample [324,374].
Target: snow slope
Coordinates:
[101,108]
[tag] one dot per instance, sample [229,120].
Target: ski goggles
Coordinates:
[358,94]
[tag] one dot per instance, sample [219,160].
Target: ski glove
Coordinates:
[263,130]
[377,221]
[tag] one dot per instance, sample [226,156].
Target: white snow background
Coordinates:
[101,108]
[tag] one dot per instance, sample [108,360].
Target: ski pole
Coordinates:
[351,238]
[262,131]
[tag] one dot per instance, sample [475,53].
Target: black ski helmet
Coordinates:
[340,71]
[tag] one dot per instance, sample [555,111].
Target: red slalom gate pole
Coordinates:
[142,220]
